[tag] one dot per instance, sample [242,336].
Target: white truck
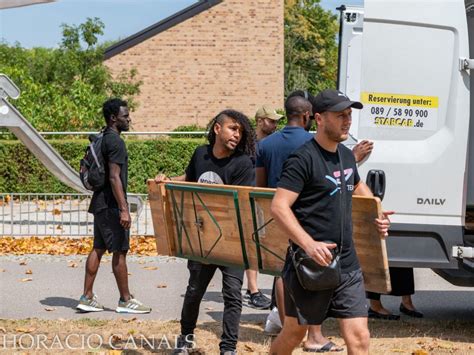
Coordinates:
[409,62]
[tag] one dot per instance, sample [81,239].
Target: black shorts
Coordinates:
[108,233]
[313,307]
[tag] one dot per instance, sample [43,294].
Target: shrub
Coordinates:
[20,171]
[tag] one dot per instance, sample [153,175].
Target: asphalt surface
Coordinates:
[55,288]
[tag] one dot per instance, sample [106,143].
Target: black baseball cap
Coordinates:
[334,101]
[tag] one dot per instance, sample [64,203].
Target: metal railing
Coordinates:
[48,214]
[154,133]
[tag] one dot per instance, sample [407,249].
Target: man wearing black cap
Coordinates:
[312,204]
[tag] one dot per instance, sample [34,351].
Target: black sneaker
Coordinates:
[259,301]
[184,344]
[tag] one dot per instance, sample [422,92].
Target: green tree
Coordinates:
[310,46]
[63,89]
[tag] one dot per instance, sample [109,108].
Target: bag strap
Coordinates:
[342,197]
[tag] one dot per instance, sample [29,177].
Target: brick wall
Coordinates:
[230,56]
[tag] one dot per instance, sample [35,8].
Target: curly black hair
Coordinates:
[247,142]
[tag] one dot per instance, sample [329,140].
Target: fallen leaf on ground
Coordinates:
[49,309]
[23,262]
[116,338]
[7,198]
[3,330]
[162,286]
[26,279]
[24,330]
[141,245]
[129,274]
[445,345]
[56,212]
[73,265]
[129,320]
[420,352]
[151,268]
[249,348]
[29,272]
[142,262]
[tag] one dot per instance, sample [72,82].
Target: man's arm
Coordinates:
[163,178]
[117,190]
[383,224]
[362,150]
[261,177]
[362,189]
[284,216]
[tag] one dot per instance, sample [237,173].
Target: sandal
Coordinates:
[329,346]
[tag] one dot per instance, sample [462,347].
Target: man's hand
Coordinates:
[362,149]
[383,224]
[125,219]
[161,178]
[320,252]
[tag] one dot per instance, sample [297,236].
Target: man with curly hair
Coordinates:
[225,160]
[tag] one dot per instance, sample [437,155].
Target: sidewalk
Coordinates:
[53,293]
[160,282]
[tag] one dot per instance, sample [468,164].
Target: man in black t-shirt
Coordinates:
[225,160]
[111,216]
[311,207]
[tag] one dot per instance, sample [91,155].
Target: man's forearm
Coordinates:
[117,190]
[178,178]
[363,190]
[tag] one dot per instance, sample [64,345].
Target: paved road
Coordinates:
[55,285]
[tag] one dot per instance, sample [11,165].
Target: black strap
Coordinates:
[342,197]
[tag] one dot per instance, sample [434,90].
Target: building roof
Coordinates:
[161,26]
[6,4]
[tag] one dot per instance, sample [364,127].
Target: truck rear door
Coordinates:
[416,110]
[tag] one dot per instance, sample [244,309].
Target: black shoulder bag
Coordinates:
[311,275]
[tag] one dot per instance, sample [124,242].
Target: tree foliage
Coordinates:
[63,89]
[310,46]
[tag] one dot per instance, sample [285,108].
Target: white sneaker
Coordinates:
[89,304]
[132,306]
[273,324]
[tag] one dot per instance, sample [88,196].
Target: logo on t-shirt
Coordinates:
[337,181]
[210,177]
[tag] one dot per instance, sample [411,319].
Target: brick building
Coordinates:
[213,55]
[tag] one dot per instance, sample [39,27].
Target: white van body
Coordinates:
[408,63]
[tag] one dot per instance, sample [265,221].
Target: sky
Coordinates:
[39,25]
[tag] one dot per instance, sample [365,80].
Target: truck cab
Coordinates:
[408,62]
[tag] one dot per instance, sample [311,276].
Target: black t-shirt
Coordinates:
[204,167]
[114,151]
[314,173]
